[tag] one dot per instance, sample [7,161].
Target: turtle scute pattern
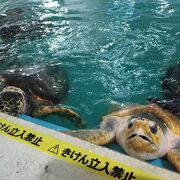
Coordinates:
[10,103]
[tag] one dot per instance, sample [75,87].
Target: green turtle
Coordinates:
[145,132]
[13,24]
[35,91]
[170,83]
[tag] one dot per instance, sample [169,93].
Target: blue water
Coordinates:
[114,52]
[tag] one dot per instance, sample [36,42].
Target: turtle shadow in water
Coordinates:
[170,84]
[36,91]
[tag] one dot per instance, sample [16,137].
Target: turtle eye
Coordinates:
[130,125]
[154,129]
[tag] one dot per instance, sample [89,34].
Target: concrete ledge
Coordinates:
[19,161]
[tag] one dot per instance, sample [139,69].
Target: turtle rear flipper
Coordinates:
[174,158]
[96,136]
[59,110]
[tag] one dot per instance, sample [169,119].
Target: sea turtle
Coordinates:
[35,91]
[145,132]
[14,25]
[171,91]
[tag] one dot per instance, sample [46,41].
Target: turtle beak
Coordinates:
[145,138]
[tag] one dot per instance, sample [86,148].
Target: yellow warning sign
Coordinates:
[73,154]
[54,149]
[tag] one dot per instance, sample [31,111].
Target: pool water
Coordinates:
[114,52]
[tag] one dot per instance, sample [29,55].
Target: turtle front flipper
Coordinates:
[45,110]
[174,158]
[96,136]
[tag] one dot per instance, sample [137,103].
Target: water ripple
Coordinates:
[113,51]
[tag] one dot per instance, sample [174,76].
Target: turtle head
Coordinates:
[144,136]
[13,101]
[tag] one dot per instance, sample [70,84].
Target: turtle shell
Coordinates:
[47,83]
[171,91]
[171,82]
[14,23]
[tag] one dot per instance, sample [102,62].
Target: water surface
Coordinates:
[114,52]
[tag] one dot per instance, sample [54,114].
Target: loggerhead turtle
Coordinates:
[35,91]
[145,132]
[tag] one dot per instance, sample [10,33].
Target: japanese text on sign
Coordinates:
[73,154]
